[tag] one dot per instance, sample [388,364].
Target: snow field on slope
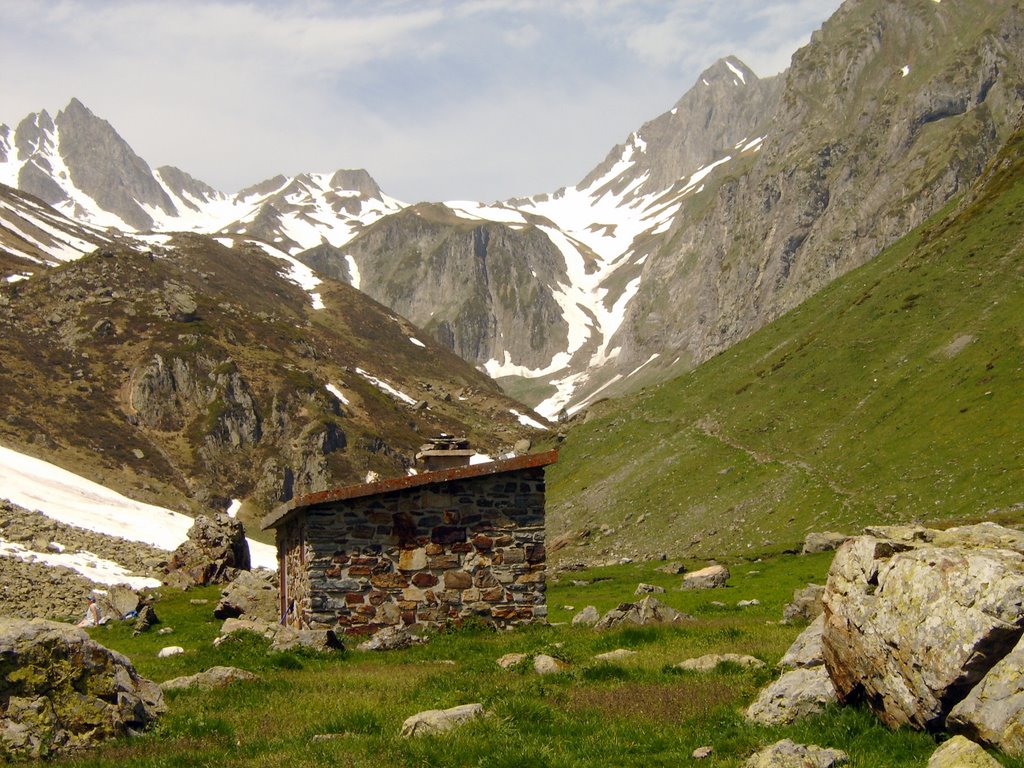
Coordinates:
[95,569]
[71,499]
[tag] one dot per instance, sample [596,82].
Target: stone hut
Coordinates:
[425,549]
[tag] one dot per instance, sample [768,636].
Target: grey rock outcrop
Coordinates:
[252,594]
[789,754]
[806,604]
[993,712]
[912,628]
[806,650]
[797,694]
[215,552]
[63,691]
[647,612]
[543,664]
[440,720]
[289,638]
[589,616]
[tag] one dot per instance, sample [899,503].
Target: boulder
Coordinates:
[253,595]
[266,628]
[63,691]
[440,720]
[145,619]
[119,602]
[797,694]
[993,712]
[912,627]
[712,577]
[289,638]
[959,752]
[214,552]
[648,612]
[806,605]
[788,754]
[824,541]
[806,650]
[587,617]
[548,665]
[214,677]
[709,661]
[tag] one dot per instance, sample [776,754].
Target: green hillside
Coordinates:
[895,394]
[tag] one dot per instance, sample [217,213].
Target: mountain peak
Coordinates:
[728,69]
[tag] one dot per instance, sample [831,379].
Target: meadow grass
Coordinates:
[347,708]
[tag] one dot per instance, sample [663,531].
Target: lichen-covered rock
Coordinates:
[214,677]
[993,711]
[440,720]
[806,650]
[510,660]
[788,754]
[214,553]
[253,595]
[959,752]
[712,577]
[800,693]
[64,691]
[647,612]
[912,627]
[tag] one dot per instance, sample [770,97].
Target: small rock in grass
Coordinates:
[648,589]
[701,752]
[797,694]
[747,603]
[510,660]
[165,630]
[788,754]
[440,720]
[712,577]
[170,650]
[709,661]
[617,655]
[548,665]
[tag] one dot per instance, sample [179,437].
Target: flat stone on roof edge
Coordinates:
[390,485]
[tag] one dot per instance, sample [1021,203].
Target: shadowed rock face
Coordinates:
[912,625]
[64,691]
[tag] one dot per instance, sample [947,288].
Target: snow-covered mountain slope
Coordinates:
[77,163]
[76,501]
[597,237]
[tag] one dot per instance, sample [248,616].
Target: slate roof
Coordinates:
[287,510]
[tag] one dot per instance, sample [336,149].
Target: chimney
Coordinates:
[445,452]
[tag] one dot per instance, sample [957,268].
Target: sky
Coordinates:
[436,99]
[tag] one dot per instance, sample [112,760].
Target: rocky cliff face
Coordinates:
[481,289]
[890,111]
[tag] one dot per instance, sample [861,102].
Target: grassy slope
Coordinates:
[638,712]
[895,394]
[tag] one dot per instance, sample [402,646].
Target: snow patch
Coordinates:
[233,507]
[353,270]
[74,500]
[383,386]
[905,70]
[736,71]
[95,569]
[525,420]
[337,393]
[417,342]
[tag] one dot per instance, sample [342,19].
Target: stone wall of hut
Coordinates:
[427,555]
